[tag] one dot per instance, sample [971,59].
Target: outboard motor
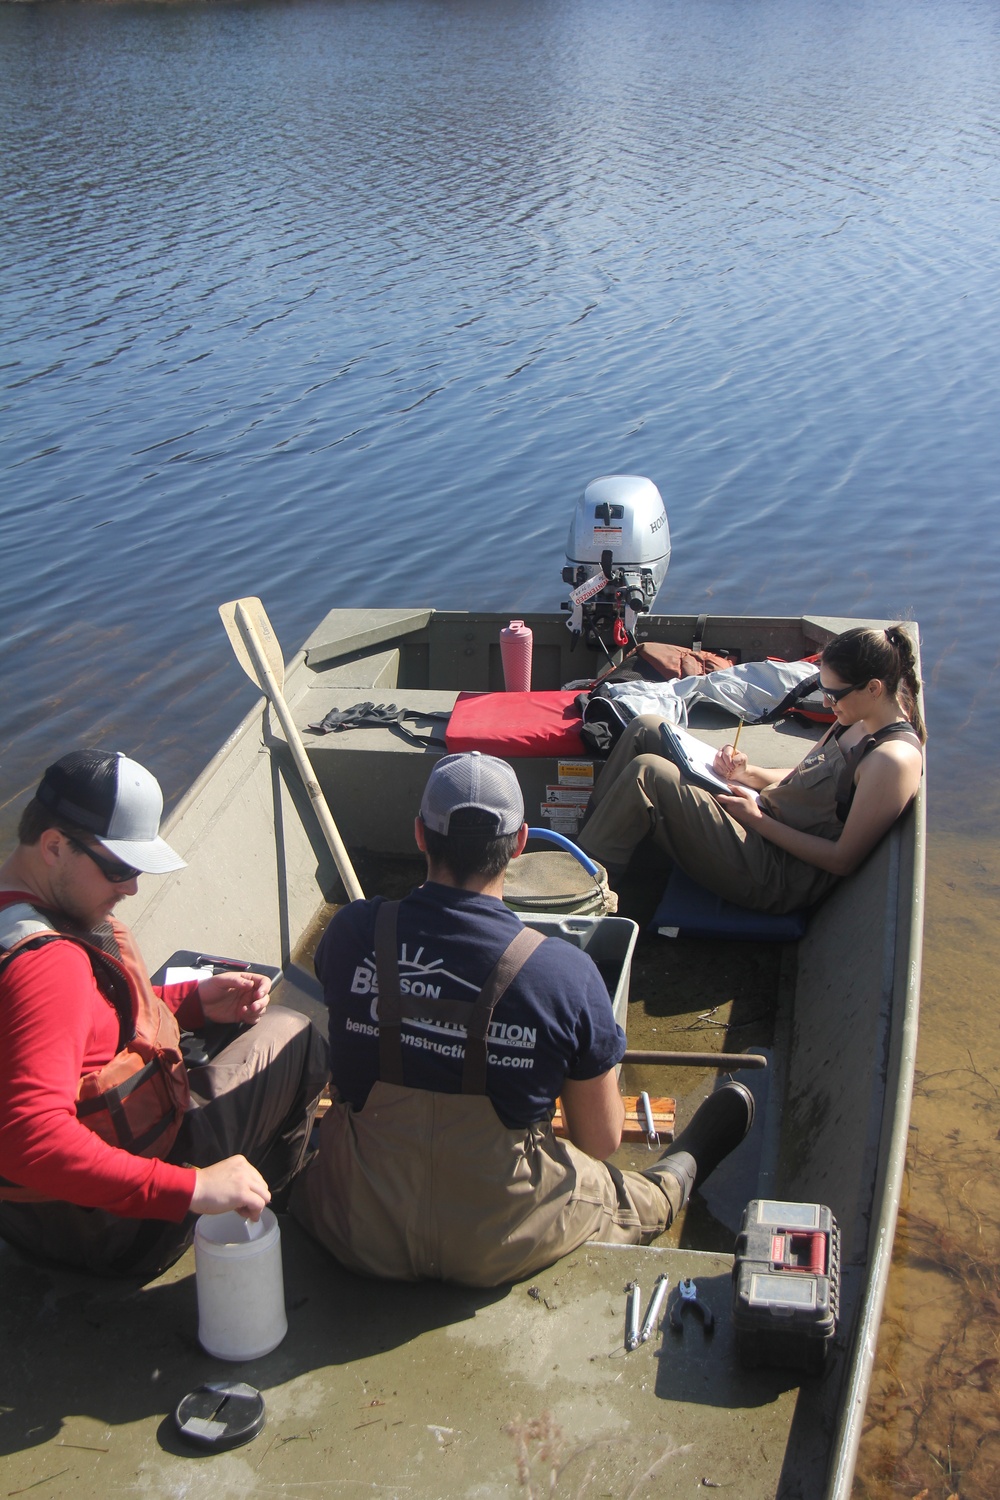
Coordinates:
[617,553]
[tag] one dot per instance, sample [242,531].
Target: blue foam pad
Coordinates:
[688,910]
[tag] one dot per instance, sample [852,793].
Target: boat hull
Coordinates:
[454,1379]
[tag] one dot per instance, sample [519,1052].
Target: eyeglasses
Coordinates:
[116,873]
[834,695]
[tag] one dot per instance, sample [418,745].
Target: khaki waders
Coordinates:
[420,1185]
[640,793]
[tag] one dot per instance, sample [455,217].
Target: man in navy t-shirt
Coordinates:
[453,1030]
[554,1023]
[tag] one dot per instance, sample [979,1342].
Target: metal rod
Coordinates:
[651,1319]
[728,1061]
[632,1316]
[646,1111]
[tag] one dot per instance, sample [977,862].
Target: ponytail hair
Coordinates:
[861,654]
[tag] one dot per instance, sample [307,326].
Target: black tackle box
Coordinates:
[786,1284]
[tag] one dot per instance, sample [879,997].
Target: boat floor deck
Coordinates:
[419,1391]
[428,1391]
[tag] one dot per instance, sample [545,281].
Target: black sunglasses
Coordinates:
[835,694]
[116,873]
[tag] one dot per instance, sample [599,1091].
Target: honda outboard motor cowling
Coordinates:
[617,552]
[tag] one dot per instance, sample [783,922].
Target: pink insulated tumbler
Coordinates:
[515,651]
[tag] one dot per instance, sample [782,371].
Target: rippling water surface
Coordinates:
[345,301]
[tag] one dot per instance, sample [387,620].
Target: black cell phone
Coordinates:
[221,965]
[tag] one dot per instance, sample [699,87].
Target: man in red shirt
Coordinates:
[109,1145]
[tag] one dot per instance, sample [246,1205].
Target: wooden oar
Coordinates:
[259,654]
[730,1061]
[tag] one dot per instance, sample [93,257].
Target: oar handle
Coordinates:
[330,832]
[729,1061]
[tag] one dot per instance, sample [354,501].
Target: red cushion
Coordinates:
[516,724]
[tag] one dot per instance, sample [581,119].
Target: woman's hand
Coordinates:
[229,998]
[742,805]
[731,764]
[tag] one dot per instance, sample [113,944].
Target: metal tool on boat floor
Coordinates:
[634,1333]
[648,1124]
[652,1317]
[687,1296]
[632,1316]
[258,653]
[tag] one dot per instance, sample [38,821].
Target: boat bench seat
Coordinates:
[373,778]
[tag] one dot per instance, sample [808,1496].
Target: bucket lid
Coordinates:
[222,1415]
[555,881]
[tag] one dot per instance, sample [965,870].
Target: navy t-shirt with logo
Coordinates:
[554,1022]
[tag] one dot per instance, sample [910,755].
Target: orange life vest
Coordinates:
[137,1100]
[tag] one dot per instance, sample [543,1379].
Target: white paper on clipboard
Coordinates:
[695,759]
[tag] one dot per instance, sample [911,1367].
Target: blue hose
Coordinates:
[564,843]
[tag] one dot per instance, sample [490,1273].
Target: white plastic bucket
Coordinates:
[241,1292]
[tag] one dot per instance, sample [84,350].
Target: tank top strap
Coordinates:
[900,729]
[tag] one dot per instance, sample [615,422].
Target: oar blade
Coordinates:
[257,615]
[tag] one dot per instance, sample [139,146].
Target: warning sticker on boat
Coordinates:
[567,796]
[562,818]
[576,772]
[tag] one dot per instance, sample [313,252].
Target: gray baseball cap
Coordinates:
[116,800]
[475,781]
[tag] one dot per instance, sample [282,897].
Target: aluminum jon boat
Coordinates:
[430,1391]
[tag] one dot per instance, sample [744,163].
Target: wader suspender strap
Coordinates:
[475,1017]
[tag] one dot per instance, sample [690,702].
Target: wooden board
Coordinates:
[634,1130]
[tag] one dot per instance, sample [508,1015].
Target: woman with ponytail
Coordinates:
[781,838]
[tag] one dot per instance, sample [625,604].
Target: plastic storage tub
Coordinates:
[609,941]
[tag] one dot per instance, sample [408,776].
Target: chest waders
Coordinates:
[639,794]
[420,1185]
[816,796]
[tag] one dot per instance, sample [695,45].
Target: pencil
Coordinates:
[737,739]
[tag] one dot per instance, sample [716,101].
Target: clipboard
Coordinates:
[693,758]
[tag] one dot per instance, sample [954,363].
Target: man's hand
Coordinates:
[228,1186]
[228,998]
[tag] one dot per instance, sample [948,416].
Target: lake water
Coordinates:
[344,301]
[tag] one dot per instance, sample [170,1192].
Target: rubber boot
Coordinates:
[715,1129]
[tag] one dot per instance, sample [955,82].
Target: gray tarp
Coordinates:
[749,691]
